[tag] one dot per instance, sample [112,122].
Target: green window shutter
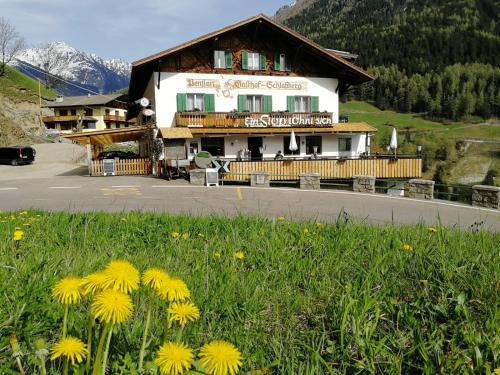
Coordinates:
[181,102]
[277,59]
[290,103]
[314,103]
[229,59]
[242,103]
[209,102]
[268,103]
[244,60]
[262,61]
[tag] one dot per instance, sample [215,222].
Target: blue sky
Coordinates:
[123,28]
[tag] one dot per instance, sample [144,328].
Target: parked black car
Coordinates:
[117,154]
[17,155]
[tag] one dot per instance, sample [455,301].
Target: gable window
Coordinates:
[313,143]
[282,63]
[345,144]
[253,60]
[223,59]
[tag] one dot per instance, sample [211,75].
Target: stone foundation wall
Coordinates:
[310,181]
[363,184]
[260,179]
[486,196]
[421,189]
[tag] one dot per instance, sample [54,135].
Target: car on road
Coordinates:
[117,155]
[17,155]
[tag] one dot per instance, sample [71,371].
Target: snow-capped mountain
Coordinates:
[83,69]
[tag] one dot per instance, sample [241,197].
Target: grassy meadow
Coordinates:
[308,298]
[19,87]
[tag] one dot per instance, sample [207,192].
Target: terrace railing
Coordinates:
[249,119]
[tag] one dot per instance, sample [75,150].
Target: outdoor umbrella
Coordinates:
[394,140]
[293,142]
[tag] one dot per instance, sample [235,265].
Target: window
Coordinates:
[117,113]
[253,61]
[106,111]
[313,143]
[89,112]
[254,103]
[220,59]
[193,148]
[63,112]
[195,102]
[215,146]
[90,125]
[282,63]
[345,144]
[73,112]
[302,104]
[286,146]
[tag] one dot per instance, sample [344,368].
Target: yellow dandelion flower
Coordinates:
[124,219]
[23,213]
[497,371]
[18,235]
[408,248]
[280,218]
[220,358]
[154,278]
[217,255]
[175,234]
[306,231]
[174,290]
[71,349]
[122,276]
[174,358]
[93,283]
[424,282]
[112,306]
[183,312]
[185,236]
[67,291]
[432,230]
[240,255]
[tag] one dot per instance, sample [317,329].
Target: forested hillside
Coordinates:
[436,56]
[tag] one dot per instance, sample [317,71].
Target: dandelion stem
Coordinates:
[98,357]
[89,342]
[43,370]
[106,351]
[145,337]
[65,321]
[66,367]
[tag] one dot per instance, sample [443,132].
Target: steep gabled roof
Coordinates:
[358,74]
[84,100]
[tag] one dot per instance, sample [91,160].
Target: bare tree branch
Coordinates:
[52,62]
[11,43]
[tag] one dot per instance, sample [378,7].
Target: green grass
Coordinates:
[339,298]
[19,87]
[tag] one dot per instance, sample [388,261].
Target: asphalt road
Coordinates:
[119,194]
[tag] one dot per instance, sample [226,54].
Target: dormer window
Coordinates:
[223,59]
[282,63]
[253,60]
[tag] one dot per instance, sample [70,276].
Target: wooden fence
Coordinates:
[124,167]
[282,170]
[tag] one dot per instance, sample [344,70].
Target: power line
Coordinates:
[63,80]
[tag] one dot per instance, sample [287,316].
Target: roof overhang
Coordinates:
[175,133]
[108,137]
[143,69]
[343,128]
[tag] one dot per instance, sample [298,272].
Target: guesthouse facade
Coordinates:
[256,92]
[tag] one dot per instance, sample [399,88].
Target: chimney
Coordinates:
[60,99]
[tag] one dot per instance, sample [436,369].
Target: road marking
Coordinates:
[238,193]
[5,189]
[121,192]
[125,186]
[65,187]
[175,186]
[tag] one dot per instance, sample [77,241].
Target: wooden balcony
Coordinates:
[114,118]
[48,119]
[289,169]
[249,119]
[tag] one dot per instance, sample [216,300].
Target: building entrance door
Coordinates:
[255,147]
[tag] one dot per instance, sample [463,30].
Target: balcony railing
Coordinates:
[115,118]
[59,118]
[251,119]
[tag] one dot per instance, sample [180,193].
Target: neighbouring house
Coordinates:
[264,98]
[87,113]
